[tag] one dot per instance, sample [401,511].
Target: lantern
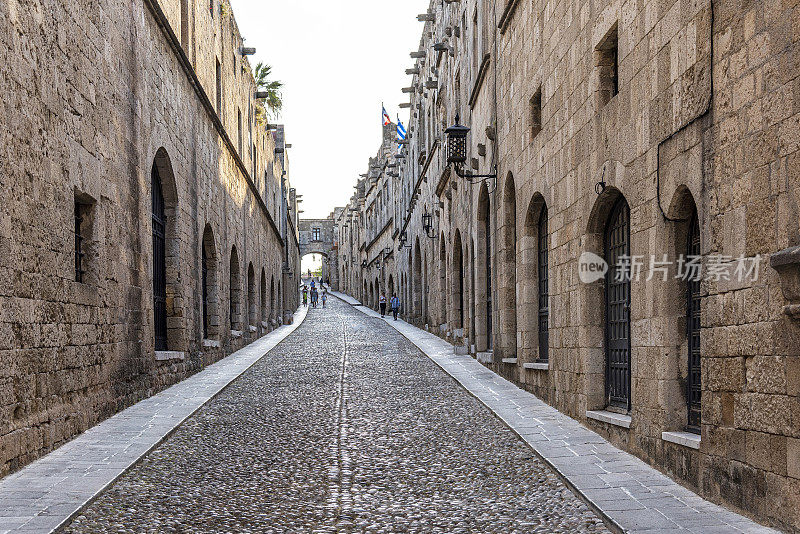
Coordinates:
[457,143]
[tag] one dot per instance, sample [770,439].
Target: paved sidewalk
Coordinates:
[49,492]
[628,493]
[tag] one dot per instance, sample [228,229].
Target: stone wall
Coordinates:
[97,98]
[700,116]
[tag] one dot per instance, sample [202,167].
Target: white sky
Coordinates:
[339,60]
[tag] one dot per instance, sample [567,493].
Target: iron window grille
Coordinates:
[617,320]
[694,392]
[544,301]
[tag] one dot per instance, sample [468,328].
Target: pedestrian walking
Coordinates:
[305,296]
[324,298]
[314,296]
[382,302]
[395,303]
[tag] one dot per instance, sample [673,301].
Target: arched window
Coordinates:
[458,282]
[252,309]
[484,298]
[544,289]
[617,309]
[263,295]
[235,292]
[159,261]
[210,297]
[442,280]
[693,387]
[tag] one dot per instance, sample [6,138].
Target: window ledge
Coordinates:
[537,366]
[167,355]
[236,333]
[253,328]
[616,419]
[687,439]
[510,360]
[485,357]
[213,343]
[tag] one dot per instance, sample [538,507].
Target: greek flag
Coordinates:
[401,130]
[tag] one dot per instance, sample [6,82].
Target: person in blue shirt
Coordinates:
[395,304]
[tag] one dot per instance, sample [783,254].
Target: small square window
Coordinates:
[607,65]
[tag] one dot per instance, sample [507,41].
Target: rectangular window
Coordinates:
[219,89]
[607,65]
[536,112]
[79,238]
[83,215]
[315,233]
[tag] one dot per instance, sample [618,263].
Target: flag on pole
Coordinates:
[386,120]
[401,130]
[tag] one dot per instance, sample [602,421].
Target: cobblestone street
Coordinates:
[344,427]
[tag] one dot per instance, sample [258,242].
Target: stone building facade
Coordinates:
[145,228]
[365,228]
[657,136]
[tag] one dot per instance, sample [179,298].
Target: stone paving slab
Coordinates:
[46,494]
[629,494]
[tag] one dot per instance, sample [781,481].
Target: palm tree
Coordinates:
[274,100]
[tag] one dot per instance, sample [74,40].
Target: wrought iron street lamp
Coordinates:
[427,224]
[457,152]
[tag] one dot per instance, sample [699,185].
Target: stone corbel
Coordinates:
[787,263]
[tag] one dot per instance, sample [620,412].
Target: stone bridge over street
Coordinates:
[318,236]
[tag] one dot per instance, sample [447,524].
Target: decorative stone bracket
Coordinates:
[787,263]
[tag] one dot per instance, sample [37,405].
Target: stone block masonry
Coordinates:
[144,224]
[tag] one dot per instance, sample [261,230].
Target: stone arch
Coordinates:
[682,304]
[252,306]
[377,293]
[391,286]
[609,204]
[457,277]
[235,292]
[507,279]
[442,281]
[483,274]
[168,321]
[533,288]
[210,285]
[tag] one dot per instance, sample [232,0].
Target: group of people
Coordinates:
[316,294]
[394,302]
